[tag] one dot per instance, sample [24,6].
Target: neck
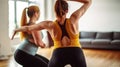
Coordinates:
[32,20]
[61,20]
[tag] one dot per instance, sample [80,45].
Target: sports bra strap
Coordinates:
[63,29]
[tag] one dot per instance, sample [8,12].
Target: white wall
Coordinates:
[103,15]
[5,48]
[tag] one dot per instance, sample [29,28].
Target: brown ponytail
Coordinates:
[60,7]
[23,23]
[30,11]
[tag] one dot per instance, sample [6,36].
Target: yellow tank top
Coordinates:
[74,38]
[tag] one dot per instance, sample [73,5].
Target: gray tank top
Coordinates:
[28,47]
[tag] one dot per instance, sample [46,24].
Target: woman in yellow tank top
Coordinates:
[65,34]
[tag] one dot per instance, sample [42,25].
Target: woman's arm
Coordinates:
[74,18]
[38,39]
[35,27]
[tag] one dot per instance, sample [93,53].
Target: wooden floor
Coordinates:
[102,58]
[94,58]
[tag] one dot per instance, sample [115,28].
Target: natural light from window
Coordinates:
[15,11]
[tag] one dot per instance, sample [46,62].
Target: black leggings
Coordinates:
[27,60]
[69,55]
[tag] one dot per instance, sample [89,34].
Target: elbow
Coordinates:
[89,1]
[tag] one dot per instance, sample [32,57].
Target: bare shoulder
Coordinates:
[50,23]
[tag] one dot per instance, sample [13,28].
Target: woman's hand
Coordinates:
[14,32]
[42,44]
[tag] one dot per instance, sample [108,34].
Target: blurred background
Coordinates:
[103,15]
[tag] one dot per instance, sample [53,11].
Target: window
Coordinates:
[15,11]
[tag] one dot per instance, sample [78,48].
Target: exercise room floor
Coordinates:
[94,58]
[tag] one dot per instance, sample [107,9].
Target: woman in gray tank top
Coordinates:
[25,54]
